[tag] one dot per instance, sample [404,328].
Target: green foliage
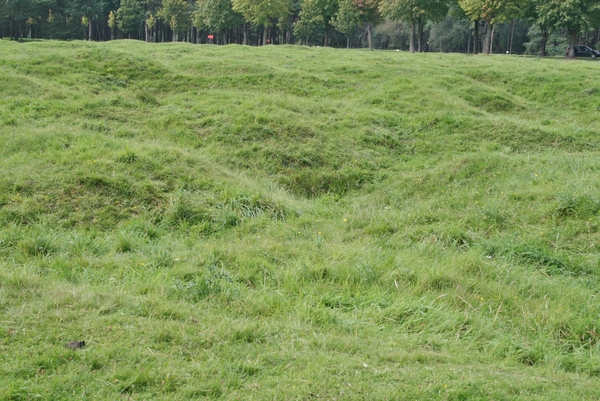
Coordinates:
[216,15]
[573,15]
[412,10]
[151,22]
[129,16]
[449,35]
[176,13]
[112,20]
[112,23]
[316,14]
[346,18]
[555,44]
[493,11]
[310,19]
[251,20]
[260,12]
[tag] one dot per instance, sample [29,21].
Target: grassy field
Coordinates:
[292,223]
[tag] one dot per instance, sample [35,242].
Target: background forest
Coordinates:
[537,27]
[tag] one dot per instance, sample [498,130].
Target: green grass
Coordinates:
[296,223]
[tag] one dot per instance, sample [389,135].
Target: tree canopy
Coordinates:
[129,16]
[262,12]
[216,16]
[572,15]
[313,22]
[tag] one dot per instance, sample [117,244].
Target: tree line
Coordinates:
[447,23]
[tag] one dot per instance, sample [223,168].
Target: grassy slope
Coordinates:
[294,223]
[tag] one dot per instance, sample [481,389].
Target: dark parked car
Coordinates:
[584,51]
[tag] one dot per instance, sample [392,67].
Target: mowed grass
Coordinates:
[292,223]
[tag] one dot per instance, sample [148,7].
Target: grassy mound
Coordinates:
[296,223]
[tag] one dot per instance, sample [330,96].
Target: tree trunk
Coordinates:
[512,37]
[412,36]
[469,42]
[265,32]
[492,40]
[476,38]
[90,29]
[347,42]
[245,40]
[224,34]
[572,41]
[488,38]
[370,36]
[420,35]
[326,40]
[545,36]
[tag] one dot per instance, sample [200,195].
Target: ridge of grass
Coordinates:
[294,223]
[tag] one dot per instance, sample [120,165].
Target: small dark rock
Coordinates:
[75,344]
